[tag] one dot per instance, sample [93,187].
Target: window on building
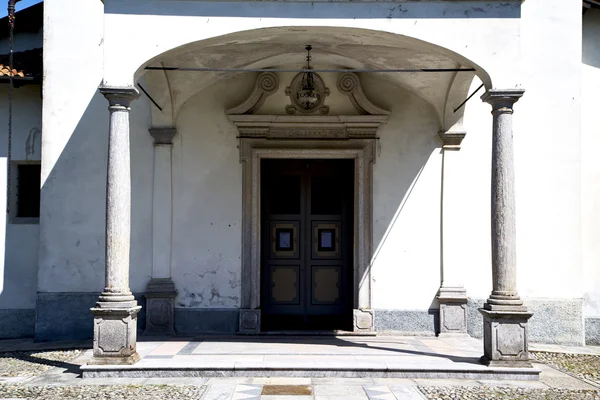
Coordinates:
[28,191]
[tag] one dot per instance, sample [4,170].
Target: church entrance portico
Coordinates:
[299,268]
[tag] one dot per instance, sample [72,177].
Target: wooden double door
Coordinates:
[307,234]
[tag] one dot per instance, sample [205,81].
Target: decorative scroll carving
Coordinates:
[266,85]
[297,106]
[349,84]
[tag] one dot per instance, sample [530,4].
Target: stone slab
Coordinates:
[407,322]
[592,331]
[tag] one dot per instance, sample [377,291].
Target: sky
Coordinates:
[20,6]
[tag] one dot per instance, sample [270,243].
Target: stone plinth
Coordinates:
[363,320]
[453,310]
[249,322]
[505,338]
[115,335]
[160,304]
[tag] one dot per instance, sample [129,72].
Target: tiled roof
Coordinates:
[26,65]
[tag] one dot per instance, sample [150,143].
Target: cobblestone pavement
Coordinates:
[584,366]
[55,375]
[33,363]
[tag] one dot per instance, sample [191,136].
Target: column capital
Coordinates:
[452,140]
[502,99]
[163,135]
[119,95]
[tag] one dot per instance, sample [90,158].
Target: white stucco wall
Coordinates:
[406,201]
[548,151]
[71,257]
[590,166]
[19,242]
[136,40]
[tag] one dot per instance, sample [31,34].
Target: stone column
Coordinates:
[115,313]
[452,296]
[504,316]
[160,294]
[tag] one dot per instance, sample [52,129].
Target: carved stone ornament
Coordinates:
[302,127]
[294,90]
[349,84]
[266,85]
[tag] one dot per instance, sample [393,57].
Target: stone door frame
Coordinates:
[252,151]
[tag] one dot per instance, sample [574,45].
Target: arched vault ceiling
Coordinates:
[284,48]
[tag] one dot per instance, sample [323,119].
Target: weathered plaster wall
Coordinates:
[207,199]
[590,199]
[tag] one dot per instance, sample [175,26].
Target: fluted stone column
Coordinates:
[452,296]
[504,315]
[115,313]
[160,294]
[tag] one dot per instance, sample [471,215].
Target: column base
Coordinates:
[160,305]
[249,322]
[115,334]
[363,320]
[115,360]
[453,311]
[505,342]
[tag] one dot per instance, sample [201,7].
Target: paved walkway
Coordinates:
[312,356]
[237,350]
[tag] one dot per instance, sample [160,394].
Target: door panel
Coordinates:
[307,220]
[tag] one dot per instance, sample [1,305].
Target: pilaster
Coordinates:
[452,296]
[160,293]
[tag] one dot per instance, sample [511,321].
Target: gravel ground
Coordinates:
[130,392]
[499,393]
[33,363]
[584,366]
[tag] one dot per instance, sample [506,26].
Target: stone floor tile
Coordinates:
[379,392]
[176,381]
[286,398]
[407,393]
[170,348]
[339,390]
[446,382]
[394,382]
[281,381]
[219,392]
[342,381]
[361,397]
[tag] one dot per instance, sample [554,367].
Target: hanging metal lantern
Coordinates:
[308,96]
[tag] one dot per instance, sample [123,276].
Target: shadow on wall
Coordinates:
[72,237]
[320,10]
[406,215]
[20,239]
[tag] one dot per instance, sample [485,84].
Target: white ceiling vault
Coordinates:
[332,48]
